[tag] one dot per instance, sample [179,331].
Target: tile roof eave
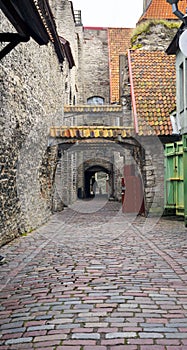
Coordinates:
[161,9]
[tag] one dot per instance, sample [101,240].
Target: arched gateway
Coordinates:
[98,178]
[92,161]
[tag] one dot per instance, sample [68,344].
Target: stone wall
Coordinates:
[66,28]
[152,169]
[154,35]
[96,64]
[32,93]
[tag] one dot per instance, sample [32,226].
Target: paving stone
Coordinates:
[13,330]
[96,347]
[81,342]
[64,347]
[85,336]
[121,335]
[160,330]
[176,335]
[38,328]
[151,335]
[44,317]
[11,325]
[11,336]
[51,344]
[68,326]
[96,324]
[34,333]
[60,321]
[113,342]
[153,347]
[91,319]
[18,340]
[34,323]
[100,283]
[93,314]
[50,337]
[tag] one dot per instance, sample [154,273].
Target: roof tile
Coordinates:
[154,85]
[160,9]
[84,132]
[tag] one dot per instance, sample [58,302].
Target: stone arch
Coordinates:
[89,169]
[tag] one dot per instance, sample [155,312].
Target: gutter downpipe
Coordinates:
[175,10]
[132,95]
[179,14]
[109,60]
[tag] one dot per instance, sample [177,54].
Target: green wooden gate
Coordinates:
[185,177]
[175,194]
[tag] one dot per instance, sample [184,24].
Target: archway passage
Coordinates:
[97,180]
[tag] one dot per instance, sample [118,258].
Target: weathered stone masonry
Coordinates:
[96,64]
[34,90]
[32,99]
[30,78]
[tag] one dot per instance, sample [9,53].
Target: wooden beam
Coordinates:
[10,37]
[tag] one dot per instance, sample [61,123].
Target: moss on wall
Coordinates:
[145,29]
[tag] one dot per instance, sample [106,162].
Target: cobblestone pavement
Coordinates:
[96,279]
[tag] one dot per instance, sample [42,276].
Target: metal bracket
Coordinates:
[14,39]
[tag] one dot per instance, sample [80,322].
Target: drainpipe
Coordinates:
[132,94]
[109,61]
[176,11]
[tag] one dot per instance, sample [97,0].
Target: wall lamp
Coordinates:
[183,17]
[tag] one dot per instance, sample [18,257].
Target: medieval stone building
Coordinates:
[37,80]
[77,76]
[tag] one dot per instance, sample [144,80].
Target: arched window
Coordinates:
[95,100]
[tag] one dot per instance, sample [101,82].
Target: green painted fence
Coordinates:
[185,177]
[175,193]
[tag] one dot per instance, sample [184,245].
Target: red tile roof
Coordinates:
[92,109]
[88,132]
[119,43]
[153,83]
[160,9]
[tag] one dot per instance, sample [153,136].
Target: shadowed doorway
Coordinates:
[97,182]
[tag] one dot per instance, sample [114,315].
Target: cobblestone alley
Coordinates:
[96,279]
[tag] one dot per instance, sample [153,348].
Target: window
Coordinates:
[175,123]
[95,100]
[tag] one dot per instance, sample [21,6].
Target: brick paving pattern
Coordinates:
[96,279]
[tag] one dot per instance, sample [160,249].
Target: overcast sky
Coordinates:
[108,13]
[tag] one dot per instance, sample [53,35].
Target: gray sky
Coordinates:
[108,13]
